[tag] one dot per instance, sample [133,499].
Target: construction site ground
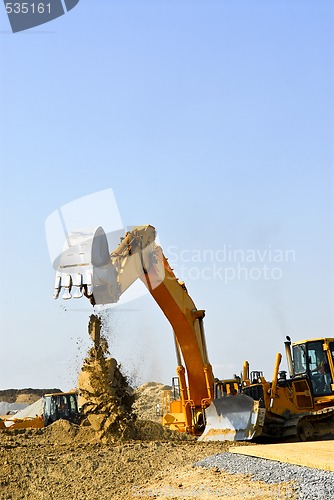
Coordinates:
[316,454]
[62,462]
[65,461]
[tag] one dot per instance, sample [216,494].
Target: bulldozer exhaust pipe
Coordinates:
[289,357]
[245,371]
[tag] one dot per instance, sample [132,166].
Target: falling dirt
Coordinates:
[110,406]
[105,396]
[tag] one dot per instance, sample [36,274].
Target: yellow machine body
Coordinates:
[302,404]
[55,406]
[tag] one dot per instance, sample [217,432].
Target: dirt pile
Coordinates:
[63,432]
[146,430]
[148,397]
[27,398]
[110,406]
[105,396]
[24,395]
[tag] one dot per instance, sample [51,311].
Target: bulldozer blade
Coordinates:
[230,418]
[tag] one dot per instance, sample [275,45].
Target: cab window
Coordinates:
[73,404]
[318,369]
[299,358]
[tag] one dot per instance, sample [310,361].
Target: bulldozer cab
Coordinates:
[228,387]
[315,359]
[60,406]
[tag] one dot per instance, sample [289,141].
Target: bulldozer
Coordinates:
[237,409]
[300,405]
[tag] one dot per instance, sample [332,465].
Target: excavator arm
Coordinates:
[87,268]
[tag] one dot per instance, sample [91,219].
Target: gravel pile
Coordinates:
[310,484]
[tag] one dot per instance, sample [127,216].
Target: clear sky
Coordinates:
[210,120]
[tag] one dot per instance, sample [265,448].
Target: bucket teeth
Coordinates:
[73,285]
[66,283]
[84,267]
[66,295]
[57,287]
[89,284]
[78,293]
[77,284]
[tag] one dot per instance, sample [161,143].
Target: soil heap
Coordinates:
[148,400]
[110,406]
[24,395]
[105,396]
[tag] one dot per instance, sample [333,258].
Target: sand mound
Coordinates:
[109,405]
[105,396]
[146,430]
[62,429]
[148,398]
[31,411]
[13,395]
[27,398]
[64,432]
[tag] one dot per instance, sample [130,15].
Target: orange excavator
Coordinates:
[86,267]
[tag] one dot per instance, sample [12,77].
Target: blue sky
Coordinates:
[212,121]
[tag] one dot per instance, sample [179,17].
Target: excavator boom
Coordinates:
[87,268]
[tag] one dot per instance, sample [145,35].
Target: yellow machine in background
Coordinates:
[301,405]
[51,407]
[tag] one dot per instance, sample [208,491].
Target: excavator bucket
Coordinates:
[84,267]
[231,418]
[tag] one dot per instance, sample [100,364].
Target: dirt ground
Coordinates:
[120,451]
[64,461]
